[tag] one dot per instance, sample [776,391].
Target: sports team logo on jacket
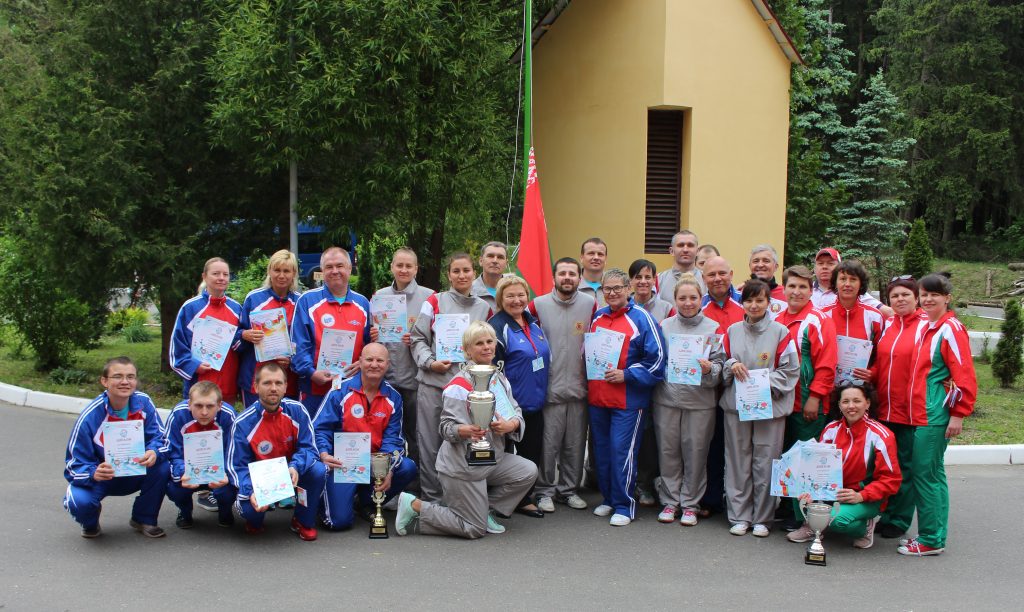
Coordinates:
[327,320]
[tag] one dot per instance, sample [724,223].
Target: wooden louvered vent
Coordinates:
[664,178]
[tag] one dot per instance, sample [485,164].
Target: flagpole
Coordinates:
[527,89]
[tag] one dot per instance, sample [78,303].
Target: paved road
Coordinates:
[987,312]
[568,560]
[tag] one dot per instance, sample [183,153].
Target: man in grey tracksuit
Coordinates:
[431,382]
[564,315]
[493,261]
[402,371]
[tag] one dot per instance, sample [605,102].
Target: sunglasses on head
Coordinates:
[909,277]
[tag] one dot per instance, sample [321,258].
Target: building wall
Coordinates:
[596,73]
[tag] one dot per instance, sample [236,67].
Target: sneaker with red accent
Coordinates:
[305,533]
[253,530]
[667,514]
[914,548]
[689,518]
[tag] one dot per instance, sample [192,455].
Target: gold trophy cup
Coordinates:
[380,465]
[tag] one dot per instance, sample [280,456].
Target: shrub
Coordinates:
[118,320]
[917,254]
[135,333]
[1007,362]
[249,277]
[375,253]
[70,376]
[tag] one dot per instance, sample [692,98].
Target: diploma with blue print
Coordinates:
[808,467]
[852,353]
[683,352]
[391,316]
[276,343]
[352,449]
[601,350]
[212,340]
[754,396]
[123,443]
[448,330]
[204,456]
[337,347]
[271,481]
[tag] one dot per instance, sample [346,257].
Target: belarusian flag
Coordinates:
[534,259]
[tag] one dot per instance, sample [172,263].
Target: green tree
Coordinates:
[870,227]
[1007,362]
[957,66]
[917,253]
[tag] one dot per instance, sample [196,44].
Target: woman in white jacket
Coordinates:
[755,343]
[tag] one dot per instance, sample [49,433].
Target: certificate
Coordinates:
[391,317]
[336,349]
[502,403]
[123,443]
[754,396]
[683,352]
[602,350]
[204,456]
[271,481]
[274,325]
[821,470]
[448,330]
[853,353]
[211,341]
[353,451]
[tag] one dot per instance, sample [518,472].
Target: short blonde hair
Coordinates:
[284,256]
[475,331]
[687,280]
[504,284]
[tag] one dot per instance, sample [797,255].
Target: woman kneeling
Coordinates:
[871,473]
[470,491]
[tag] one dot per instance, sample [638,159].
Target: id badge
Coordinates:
[538,364]
[300,497]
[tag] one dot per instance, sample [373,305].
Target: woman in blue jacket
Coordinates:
[524,349]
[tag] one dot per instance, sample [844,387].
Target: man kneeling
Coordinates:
[275,427]
[204,411]
[91,477]
[363,403]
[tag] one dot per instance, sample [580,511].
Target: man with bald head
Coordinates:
[365,403]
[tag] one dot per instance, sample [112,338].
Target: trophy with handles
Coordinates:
[481,411]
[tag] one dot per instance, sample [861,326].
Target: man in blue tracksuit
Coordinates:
[90,478]
[203,411]
[275,427]
[365,403]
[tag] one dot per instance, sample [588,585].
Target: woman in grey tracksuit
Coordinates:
[755,343]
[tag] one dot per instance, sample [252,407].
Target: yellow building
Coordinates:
[655,115]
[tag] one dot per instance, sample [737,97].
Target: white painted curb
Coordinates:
[20,396]
[13,395]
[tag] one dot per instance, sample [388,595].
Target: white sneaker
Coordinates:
[739,529]
[760,530]
[603,510]
[869,536]
[689,518]
[668,514]
[619,520]
[576,502]
[546,504]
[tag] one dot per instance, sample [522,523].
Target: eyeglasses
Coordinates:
[123,377]
[615,289]
[903,277]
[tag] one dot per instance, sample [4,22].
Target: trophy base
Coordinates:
[814,558]
[481,457]
[379,532]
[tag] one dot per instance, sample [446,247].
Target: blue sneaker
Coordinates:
[286,503]
[493,526]
[405,514]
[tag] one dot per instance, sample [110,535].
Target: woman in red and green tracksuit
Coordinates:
[850,316]
[212,303]
[890,375]
[618,403]
[279,290]
[871,472]
[943,387]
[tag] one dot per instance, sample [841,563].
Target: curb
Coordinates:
[959,454]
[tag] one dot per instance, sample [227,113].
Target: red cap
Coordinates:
[834,254]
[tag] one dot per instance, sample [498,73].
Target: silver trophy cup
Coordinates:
[481,411]
[818,515]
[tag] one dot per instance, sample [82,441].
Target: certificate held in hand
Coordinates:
[602,349]
[274,325]
[448,330]
[352,449]
[683,352]
[211,341]
[337,347]
[204,456]
[754,396]
[271,481]
[391,317]
[123,443]
[852,353]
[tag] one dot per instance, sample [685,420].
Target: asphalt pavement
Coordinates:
[569,560]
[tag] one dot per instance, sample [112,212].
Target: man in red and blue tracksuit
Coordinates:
[617,404]
[275,427]
[90,478]
[365,403]
[204,410]
[333,306]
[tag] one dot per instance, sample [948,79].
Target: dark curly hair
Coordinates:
[865,387]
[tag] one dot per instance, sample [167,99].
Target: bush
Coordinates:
[135,333]
[53,322]
[375,253]
[1007,362]
[126,317]
[70,376]
[917,254]
[249,277]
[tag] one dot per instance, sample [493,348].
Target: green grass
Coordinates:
[968,279]
[998,414]
[18,369]
[981,325]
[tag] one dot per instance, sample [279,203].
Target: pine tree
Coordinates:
[1007,362]
[917,253]
[873,167]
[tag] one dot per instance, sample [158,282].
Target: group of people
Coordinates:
[636,437]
